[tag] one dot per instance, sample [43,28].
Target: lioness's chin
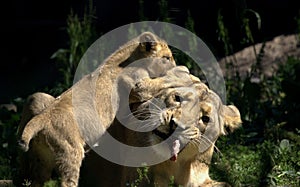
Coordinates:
[188,152]
[173,147]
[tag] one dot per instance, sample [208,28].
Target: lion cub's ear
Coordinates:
[148,41]
[231,117]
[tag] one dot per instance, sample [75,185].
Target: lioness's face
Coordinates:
[172,118]
[189,120]
[183,122]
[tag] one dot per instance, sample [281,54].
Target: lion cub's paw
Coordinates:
[142,84]
[178,77]
[195,79]
[178,71]
[220,184]
[143,89]
[212,183]
[23,146]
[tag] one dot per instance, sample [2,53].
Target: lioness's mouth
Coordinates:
[175,148]
[160,134]
[164,135]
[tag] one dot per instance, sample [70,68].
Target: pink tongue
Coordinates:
[175,150]
[173,158]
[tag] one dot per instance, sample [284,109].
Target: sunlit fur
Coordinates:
[85,111]
[36,160]
[197,137]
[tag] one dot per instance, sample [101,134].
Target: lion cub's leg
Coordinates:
[69,158]
[179,76]
[69,167]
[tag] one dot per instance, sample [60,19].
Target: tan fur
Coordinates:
[66,139]
[38,154]
[33,106]
[192,166]
[82,114]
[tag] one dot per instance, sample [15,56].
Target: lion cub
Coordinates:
[83,113]
[37,158]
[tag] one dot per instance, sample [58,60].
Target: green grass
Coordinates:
[264,152]
[237,167]
[266,164]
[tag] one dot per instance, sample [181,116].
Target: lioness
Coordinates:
[83,113]
[186,121]
[192,121]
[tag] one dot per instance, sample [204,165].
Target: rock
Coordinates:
[276,52]
[9,107]
[6,183]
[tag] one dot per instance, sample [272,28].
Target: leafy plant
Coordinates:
[223,35]
[81,33]
[298,27]
[9,121]
[269,138]
[26,183]
[237,166]
[142,177]
[163,11]
[264,151]
[52,183]
[284,163]
[141,11]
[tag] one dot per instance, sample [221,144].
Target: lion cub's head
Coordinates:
[149,52]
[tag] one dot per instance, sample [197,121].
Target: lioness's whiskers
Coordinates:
[156,106]
[134,113]
[149,126]
[147,113]
[208,141]
[195,144]
[198,143]
[138,113]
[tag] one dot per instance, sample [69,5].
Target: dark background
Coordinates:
[32,30]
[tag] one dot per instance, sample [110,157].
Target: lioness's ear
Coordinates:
[231,117]
[148,41]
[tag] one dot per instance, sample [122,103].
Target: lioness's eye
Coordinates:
[205,119]
[178,98]
[167,57]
